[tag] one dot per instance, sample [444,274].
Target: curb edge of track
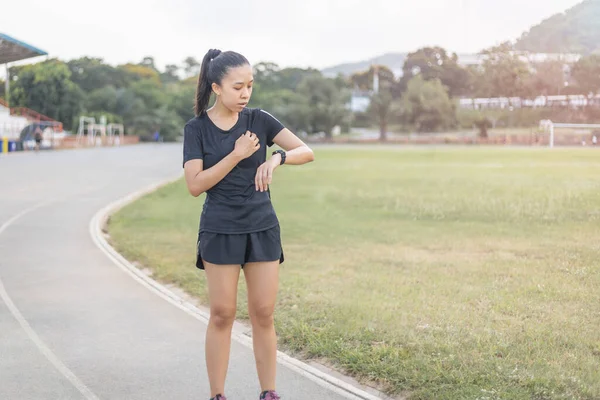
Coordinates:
[97,224]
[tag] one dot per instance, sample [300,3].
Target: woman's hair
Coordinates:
[215,66]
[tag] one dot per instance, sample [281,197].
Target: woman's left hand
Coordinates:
[264,174]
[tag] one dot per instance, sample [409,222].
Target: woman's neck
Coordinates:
[221,112]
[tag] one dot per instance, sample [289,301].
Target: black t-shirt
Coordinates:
[233,205]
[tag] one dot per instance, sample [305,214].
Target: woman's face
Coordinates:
[235,88]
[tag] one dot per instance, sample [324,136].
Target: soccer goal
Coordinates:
[115,134]
[99,134]
[586,132]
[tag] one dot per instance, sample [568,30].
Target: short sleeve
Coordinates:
[192,144]
[272,126]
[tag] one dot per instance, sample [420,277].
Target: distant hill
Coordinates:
[575,31]
[394,61]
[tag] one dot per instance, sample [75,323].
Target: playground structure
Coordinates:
[91,133]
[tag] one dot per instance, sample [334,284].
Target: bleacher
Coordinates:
[10,125]
[15,120]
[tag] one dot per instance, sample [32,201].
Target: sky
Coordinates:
[306,33]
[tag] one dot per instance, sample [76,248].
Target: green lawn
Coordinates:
[447,273]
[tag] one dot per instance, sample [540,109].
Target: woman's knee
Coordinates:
[222,316]
[262,315]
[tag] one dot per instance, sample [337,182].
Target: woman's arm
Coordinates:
[296,153]
[199,180]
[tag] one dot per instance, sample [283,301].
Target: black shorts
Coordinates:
[239,249]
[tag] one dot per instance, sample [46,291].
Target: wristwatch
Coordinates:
[282,155]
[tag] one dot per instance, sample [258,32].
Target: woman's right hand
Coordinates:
[246,145]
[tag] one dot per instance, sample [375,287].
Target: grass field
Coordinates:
[435,273]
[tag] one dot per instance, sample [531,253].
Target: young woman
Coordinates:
[225,155]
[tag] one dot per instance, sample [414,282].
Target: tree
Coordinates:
[271,77]
[326,103]
[191,67]
[290,78]
[380,109]
[151,93]
[427,106]
[293,109]
[130,107]
[104,99]
[364,80]
[277,91]
[46,87]
[137,72]
[148,62]
[91,74]
[434,63]
[505,73]
[381,99]
[170,74]
[181,100]
[170,125]
[586,73]
[483,123]
[548,78]
[137,95]
[265,74]
[476,85]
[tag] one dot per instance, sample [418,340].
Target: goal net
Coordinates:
[571,134]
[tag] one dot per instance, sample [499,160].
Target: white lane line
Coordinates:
[323,379]
[50,356]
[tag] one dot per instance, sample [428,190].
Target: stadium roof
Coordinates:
[12,49]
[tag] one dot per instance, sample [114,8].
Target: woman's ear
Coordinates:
[216,89]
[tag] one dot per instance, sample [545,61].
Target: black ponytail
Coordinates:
[215,65]
[204,89]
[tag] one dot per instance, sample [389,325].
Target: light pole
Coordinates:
[7,86]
